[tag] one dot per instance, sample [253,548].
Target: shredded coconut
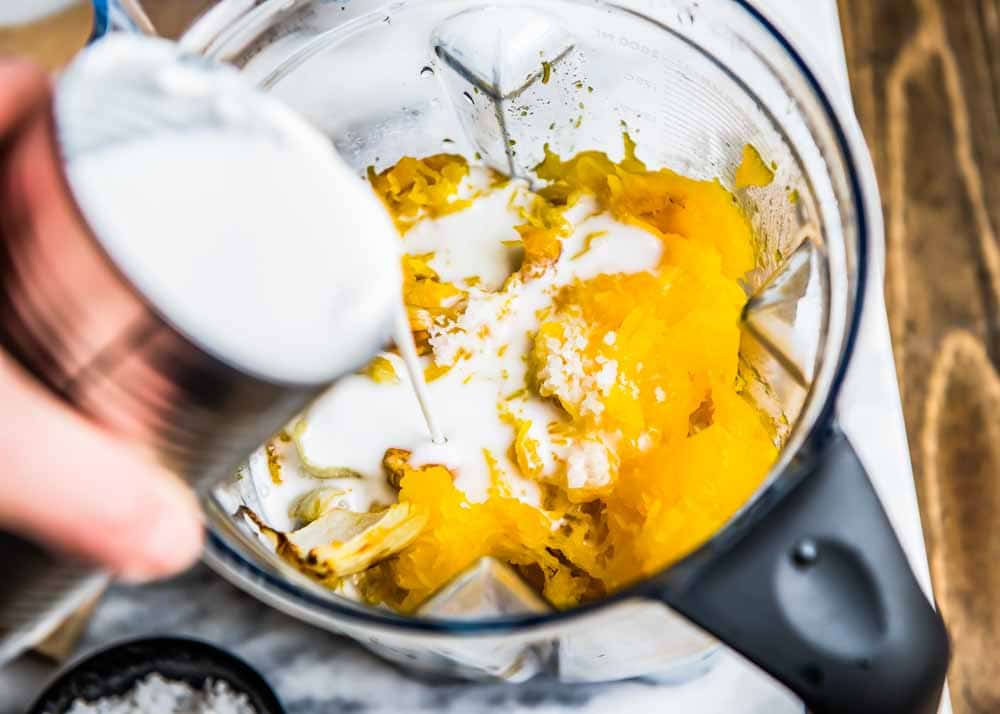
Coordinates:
[483,309]
[572,376]
[660,394]
[609,338]
[156,695]
[606,377]
[588,466]
[592,404]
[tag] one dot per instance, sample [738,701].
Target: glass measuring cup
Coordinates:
[807,580]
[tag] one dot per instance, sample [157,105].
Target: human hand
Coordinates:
[63,480]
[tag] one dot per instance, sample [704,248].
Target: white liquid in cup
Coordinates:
[237,220]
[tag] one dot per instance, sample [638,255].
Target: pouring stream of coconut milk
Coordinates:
[235,220]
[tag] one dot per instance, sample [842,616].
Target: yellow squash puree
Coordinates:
[752,171]
[677,343]
[420,188]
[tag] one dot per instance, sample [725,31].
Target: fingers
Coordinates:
[68,484]
[23,86]
[65,482]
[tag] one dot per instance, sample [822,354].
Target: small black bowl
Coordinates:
[117,669]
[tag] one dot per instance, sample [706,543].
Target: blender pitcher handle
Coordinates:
[820,595]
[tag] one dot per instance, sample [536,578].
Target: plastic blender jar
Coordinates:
[807,580]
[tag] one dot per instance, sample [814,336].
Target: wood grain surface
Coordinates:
[926,82]
[172,17]
[51,41]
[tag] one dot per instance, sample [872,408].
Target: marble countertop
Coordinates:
[314,671]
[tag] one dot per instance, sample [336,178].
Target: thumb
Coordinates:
[66,483]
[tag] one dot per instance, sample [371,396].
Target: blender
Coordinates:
[807,580]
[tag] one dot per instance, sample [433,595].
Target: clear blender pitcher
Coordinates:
[807,580]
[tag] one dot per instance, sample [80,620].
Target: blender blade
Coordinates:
[782,315]
[513,75]
[487,589]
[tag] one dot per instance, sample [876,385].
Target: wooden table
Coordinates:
[926,81]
